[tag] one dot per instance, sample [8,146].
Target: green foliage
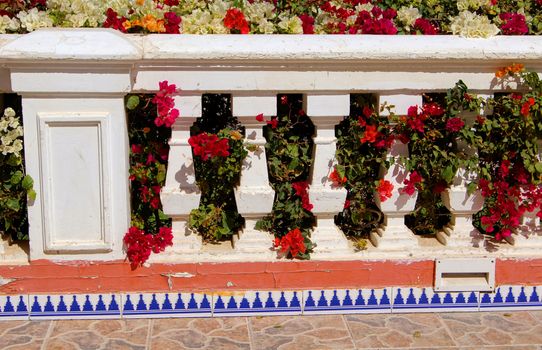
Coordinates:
[15,187]
[148,163]
[361,164]
[289,159]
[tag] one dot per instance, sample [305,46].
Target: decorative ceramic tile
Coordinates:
[512,298]
[257,303]
[72,306]
[339,301]
[14,307]
[426,300]
[141,305]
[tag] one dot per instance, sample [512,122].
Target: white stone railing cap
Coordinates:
[339,47]
[72,44]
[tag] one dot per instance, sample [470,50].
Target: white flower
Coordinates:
[9,112]
[34,19]
[471,25]
[408,16]
[290,25]
[364,7]
[9,25]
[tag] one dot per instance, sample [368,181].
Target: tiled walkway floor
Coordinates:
[514,330]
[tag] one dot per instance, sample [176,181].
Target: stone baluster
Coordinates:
[254,195]
[394,235]
[326,111]
[181,194]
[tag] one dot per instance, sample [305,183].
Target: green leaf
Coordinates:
[31,195]
[448,174]
[538,166]
[13,204]
[27,183]
[16,177]
[133,102]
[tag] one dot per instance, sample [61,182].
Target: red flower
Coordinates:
[284,100]
[162,239]
[336,178]
[411,182]
[433,109]
[138,246]
[113,21]
[172,22]
[208,146]
[308,23]
[367,111]
[301,191]
[480,120]
[527,106]
[273,123]
[370,135]
[165,104]
[260,117]
[513,24]
[425,26]
[347,204]
[454,124]
[235,20]
[384,189]
[293,242]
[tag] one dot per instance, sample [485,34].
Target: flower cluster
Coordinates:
[273,122]
[384,189]
[471,18]
[301,188]
[149,128]
[236,22]
[336,178]
[208,146]
[167,114]
[140,245]
[11,132]
[293,243]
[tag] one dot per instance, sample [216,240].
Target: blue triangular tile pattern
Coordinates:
[257,303]
[512,298]
[74,306]
[14,307]
[143,305]
[406,299]
[334,301]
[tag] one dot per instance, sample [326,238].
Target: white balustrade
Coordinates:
[73,84]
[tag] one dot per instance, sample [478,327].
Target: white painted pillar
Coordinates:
[326,111]
[73,85]
[394,235]
[181,194]
[254,195]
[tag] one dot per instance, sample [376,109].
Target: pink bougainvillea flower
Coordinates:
[454,124]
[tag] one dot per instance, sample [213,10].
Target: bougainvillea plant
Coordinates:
[289,158]
[149,127]
[218,160]
[432,132]
[15,185]
[508,149]
[363,140]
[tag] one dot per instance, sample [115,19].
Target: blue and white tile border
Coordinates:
[262,302]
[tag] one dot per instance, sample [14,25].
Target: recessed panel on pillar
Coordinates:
[75,187]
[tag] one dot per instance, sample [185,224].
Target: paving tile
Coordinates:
[23,334]
[200,333]
[398,331]
[486,329]
[312,332]
[102,334]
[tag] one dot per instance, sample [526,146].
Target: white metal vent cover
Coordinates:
[465,275]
